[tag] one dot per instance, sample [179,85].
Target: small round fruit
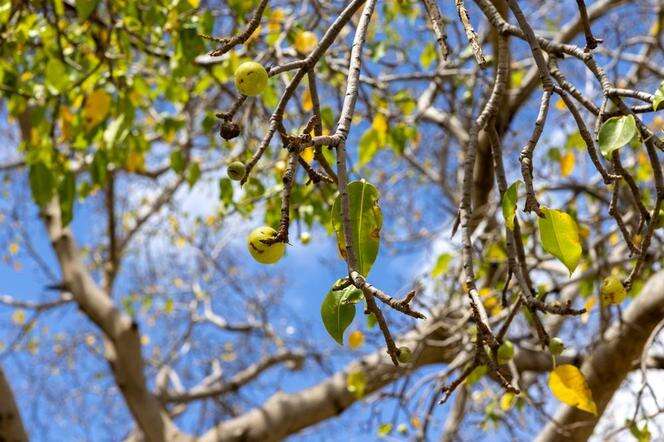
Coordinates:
[251,78]
[305,238]
[236,170]
[229,130]
[261,252]
[404,355]
[505,352]
[556,346]
[612,291]
[305,42]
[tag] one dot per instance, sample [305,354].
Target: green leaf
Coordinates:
[641,434]
[85,7]
[371,321]
[366,221]
[56,76]
[336,315]
[658,97]
[226,191]
[42,183]
[193,173]
[351,295]
[98,167]
[368,146]
[178,163]
[560,237]
[508,204]
[67,194]
[615,133]
[441,266]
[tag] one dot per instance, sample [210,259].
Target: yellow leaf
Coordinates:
[96,108]
[507,401]
[356,339]
[379,124]
[356,383]
[135,162]
[194,3]
[560,105]
[567,162]
[305,42]
[307,154]
[307,104]
[568,385]
[13,248]
[589,305]
[18,317]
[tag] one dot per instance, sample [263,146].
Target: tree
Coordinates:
[499,147]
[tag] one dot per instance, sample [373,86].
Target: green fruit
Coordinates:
[251,78]
[305,237]
[264,253]
[236,170]
[505,352]
[612,291]
[404,355]
[556,346]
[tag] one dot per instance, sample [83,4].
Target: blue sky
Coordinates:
[42,392]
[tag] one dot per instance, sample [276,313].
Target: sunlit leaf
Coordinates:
[96,108]
[441,266]
[615,133]
[567,162]
[560,237]
[508,204]
[658,97]
[365,220]
[355,339]
[568,385]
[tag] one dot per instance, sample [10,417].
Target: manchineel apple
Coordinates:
[556,346]
[505,352]
[261,252]
[251,78]
[236,170]
[404,355]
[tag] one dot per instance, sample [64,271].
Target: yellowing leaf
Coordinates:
[567,162]
[307,104]
[307,154]
[356,383]
[135,162]
[305,42]
[356,339]
[379,124]
[18,317]
[13,248]
[507,401]
[560,237]
[96,108]
[568,385]
[589,305]
[560,105]
[508,204]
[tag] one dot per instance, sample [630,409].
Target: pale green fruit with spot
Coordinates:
[251,78]
[404,355]
[612,291]
[505,352]
[556,346]
[236,170]
[261,252]
[305,238]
